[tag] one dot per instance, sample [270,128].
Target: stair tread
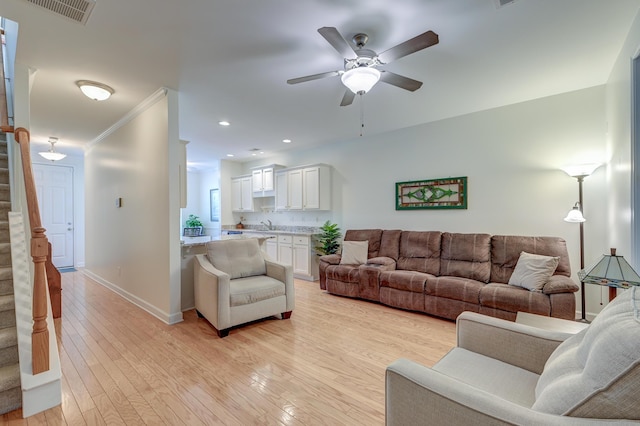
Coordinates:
[8,337]
[7,302]
[9,377]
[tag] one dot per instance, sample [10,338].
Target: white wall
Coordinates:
[623,228]
[135,249]
[511,155]
[199,185]
[618,194]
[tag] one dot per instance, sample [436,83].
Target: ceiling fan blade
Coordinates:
[415,44]
[400,81]
[313,77]
[337,41]
[348,98]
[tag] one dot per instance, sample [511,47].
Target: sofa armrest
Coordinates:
[415,394]
[283,273]
[516,344]
[386,263]
[212,292]
[331,259]
[559,284]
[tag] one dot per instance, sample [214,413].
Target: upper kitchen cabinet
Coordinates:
[263,180]
[241,194]
[304,188]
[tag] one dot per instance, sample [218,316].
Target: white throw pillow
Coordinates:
[533,271]
[354,252]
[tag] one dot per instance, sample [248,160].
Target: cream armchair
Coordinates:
[234,284]
[508,373]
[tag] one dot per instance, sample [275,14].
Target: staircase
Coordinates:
[10,391]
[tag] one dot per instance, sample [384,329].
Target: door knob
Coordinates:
[69,229]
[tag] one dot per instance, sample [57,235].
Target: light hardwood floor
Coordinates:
[324,366]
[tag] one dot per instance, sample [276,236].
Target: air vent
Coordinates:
[501,3]
[76,10]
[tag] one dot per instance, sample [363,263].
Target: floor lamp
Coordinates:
[575,215]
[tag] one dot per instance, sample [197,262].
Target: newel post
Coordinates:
[40,336]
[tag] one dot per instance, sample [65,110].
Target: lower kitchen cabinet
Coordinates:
[296,250]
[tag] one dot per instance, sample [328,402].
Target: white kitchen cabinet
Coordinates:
[304,188]
[301,255]
[271,248]
[241,194]
[263,180]
[285,249]
[295,250]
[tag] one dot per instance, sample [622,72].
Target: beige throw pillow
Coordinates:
[533,271]
[354,252]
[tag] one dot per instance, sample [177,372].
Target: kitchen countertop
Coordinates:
[245,233]
[272,232]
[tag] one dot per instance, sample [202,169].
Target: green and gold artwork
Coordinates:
[445,193]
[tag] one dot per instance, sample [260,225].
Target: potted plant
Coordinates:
[328,239]
[194,225]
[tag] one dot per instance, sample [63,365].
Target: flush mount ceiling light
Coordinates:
[52,154]
[94,90]
[224,123]
[361,79]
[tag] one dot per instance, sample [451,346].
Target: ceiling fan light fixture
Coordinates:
[360,79]
[51,154]
[94,90]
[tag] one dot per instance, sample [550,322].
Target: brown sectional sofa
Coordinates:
[444,274]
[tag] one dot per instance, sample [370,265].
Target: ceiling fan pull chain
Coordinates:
[361,114]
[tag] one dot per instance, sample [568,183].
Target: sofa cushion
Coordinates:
[354,252]
[499,378]
[455,288]
[243,291]
[533,271]
[513,299]
[373,236]
[420,251]
[404,280]
[238,258]
[506,249]
[596,373]
[390,244]
[344,273]
[466,256]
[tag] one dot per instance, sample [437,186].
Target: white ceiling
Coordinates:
[230,59]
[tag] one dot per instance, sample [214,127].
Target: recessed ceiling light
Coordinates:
[229,155]
[253,153]
[286,140]
[224,123]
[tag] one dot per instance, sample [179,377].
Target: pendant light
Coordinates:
[52,154]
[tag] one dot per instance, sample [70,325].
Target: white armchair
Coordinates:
[234,284]
[504,373]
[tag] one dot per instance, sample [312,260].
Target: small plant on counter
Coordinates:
[328,239]
[193,221]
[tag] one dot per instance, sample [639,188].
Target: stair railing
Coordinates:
[4,110]
[39,252]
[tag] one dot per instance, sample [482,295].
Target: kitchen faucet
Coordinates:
[269,225]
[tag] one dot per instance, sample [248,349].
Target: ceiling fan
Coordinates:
[361,71]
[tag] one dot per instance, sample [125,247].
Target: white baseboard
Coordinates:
[142,304]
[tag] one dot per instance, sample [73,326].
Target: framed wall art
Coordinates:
[214,204]
[444,193]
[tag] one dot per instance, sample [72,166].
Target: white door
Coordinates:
[54,186]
